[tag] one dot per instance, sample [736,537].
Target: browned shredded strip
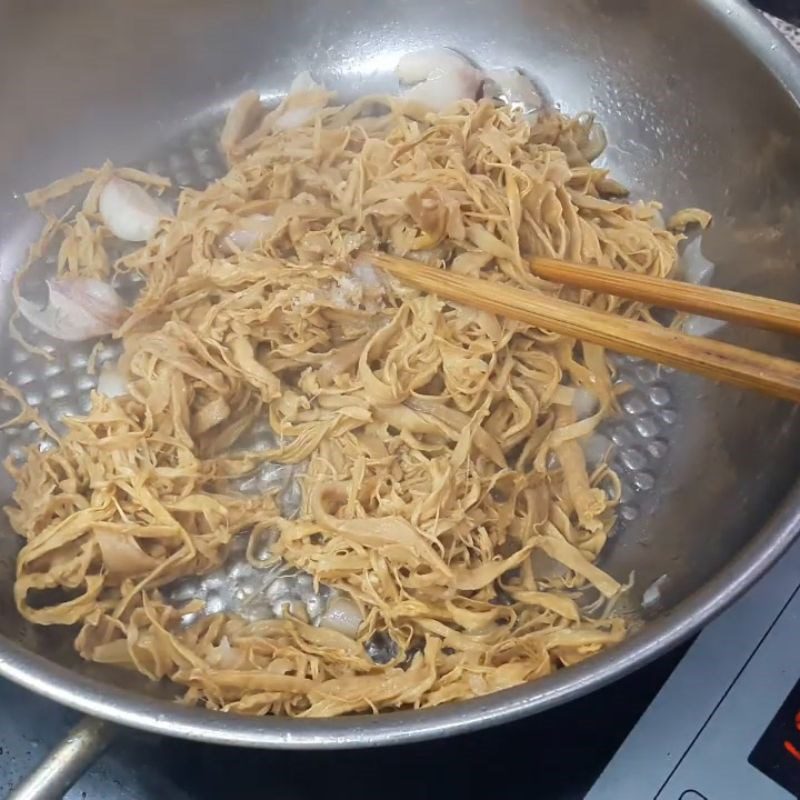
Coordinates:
[26,412]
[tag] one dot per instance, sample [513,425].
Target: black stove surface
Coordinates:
[786,9]
[559,754]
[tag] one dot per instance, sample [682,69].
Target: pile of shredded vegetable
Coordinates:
[446,497]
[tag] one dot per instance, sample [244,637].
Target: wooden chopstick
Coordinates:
[713,359]
[759,312]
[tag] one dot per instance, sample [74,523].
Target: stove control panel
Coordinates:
[726,724]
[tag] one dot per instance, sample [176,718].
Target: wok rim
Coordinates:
[165,717]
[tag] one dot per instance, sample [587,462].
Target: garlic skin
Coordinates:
[441,75]
[129,212]
[77,309]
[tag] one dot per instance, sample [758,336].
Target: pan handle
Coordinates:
[67,762]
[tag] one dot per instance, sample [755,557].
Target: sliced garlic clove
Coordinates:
[657,221]
[584,403]
[596,448]
[696,325]
[305,99]
[77,309]
[695,266]
[430,62]
[515,89]
[342,615]
[241,120]
[303,82]
[687,217]
[295,118]
[596,142]
[442,77]
[249,232]
[129,212]
[111,382]
[442,91]
[374,281]
[652,594]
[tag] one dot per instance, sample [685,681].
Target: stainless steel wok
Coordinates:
[700,102]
